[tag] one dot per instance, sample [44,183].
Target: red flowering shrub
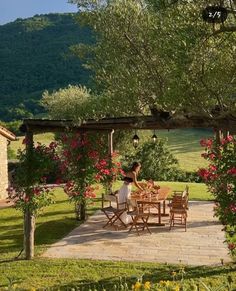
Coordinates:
[84,162]
[29,190]
[108,170]
[220,177]
[79,155]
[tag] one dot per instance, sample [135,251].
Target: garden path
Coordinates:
[202,244]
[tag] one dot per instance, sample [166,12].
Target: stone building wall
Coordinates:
[3,167]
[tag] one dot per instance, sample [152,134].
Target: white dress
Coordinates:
[123,195]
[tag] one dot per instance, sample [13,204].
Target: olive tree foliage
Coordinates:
[72,102]
[152,55]
[160,54]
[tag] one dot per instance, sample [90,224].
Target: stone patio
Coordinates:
[202,244]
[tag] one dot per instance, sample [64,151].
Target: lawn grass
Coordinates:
[184,144]
[55,222]
[56,273]
[197,191]
[44,138]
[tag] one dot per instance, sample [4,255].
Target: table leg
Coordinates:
[159,212]
[164,209]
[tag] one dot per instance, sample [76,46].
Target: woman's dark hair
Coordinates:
[135,165]
[128,179]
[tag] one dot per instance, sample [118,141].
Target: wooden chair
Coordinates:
[184,194]
[139,217]
[178,208]
[114,211]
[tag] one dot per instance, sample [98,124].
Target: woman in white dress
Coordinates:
[125,191]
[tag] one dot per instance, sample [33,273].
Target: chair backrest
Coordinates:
[110,197]
[114,199]
[182,194]
[178,202]
[185,195]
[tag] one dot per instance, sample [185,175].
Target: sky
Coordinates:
[10,10]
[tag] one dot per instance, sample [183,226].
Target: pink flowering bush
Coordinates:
[84,162]
[220,177]
[78,156]
[29,190]
[108,170]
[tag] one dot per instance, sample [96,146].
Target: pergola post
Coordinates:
[29,218]
[218,135]
[110,152]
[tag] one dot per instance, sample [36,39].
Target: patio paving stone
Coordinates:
[202,244]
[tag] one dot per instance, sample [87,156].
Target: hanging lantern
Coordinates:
[154,137]
[135,140]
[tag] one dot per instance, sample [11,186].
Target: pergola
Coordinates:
[132,122]
[223,124]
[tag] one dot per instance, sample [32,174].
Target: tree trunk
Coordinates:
[29,228]
[80,210]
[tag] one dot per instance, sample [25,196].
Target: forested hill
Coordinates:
[34,56]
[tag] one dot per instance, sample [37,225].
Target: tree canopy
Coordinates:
[159,55]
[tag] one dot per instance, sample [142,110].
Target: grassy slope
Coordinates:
[55,222]
[45,138]
[184,144]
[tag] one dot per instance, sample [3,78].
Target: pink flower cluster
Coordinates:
[207,175]
[232,171]
[226,140]
[232,207]
[108,169]
[72,191]
[206,142]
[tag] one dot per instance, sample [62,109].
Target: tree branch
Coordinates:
[160,80]
[224,29]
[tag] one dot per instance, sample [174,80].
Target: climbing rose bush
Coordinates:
[79,153]
[85,162]
[29,190]
[108,170]
[220,177]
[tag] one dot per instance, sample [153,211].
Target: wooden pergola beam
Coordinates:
[129,123]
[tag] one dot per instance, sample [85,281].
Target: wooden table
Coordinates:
[153,199]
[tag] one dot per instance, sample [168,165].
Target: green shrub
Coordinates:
[158,164]
[157,161]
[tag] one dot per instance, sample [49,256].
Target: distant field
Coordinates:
[183,143]
[44,138]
